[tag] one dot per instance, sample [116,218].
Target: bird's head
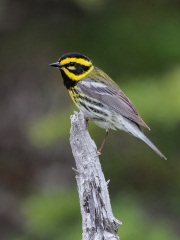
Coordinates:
[73,66]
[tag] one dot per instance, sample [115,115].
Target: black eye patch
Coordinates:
[72,63]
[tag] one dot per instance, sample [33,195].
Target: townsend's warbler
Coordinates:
[99,97]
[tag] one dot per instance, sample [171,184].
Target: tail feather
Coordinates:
[133,128]
[151,145]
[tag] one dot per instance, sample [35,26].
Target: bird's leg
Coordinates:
[104,140]
[87,122]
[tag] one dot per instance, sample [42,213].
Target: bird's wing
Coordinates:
[111,96]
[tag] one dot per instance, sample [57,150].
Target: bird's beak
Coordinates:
[56,64]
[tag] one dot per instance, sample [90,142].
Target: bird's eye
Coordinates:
[71,66]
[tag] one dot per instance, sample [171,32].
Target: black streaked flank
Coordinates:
[89,100]
[98,111]
[83,104]
[91,105]
[74,90]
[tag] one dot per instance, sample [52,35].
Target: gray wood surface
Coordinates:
[98,221]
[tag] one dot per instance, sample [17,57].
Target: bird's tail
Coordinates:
[135,130]
[151,145]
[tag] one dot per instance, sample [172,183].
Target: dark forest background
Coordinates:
[138,44]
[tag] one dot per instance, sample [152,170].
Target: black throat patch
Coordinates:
[68,83]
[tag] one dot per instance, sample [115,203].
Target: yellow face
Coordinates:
[75,66]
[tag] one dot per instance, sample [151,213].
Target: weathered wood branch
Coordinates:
[97,217]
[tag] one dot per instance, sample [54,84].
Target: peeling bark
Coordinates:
[97,217]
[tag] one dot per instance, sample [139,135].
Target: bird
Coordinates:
[99,98]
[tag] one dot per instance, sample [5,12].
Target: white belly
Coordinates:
[108,121]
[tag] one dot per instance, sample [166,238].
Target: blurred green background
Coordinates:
[138,44]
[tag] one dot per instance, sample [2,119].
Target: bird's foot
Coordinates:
[99,152]
[87,122]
